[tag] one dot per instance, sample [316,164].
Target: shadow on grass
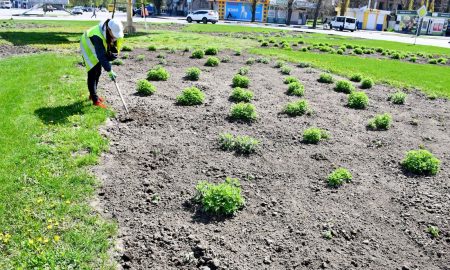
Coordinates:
[45,38]
[59,114]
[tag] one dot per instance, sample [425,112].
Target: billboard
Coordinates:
[239,11]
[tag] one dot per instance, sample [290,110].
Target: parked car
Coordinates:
[5,4]
[138,11]
[77,10]
[204,16]
[343,23]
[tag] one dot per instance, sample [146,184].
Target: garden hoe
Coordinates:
[127,119]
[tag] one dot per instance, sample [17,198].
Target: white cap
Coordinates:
[116,28]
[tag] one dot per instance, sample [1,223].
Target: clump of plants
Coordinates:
[296,108]
[152,48]
[358,51]
[339,177]
[125,55]
[140,58]
[344,86]
[191,96]
[162,61]
[193,73]
[413,59]
[314,135]
[279,63]
[286,70]
[263,60]
[250,61]
[243,70]
[433,231]
[367,83]
[212,61]
[211,51]
[241,144]
[241,95]
[237,52]
[432,61]
[244,112]
[226,59]
[339,51]
[220,199]
[198,54]
[264,44]
[290,79]
[304,65]
[240,81]
[380,122]
[158,73]
[127,48]
[117,62]
[421,162]
[144,87]
[325,78]
[161,56]
[398,97]
[296,89]
[442,60]
[356,77]
[358,100]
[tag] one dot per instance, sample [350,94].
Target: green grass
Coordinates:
[49,133]
[432,79]
[220,28]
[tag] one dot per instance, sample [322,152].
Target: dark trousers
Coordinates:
[92,81]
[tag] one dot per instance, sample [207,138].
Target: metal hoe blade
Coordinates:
[121,97]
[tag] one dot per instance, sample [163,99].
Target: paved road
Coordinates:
[376,35]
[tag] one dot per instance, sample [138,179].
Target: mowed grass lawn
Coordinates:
[49,133]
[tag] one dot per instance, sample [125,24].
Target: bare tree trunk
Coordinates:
[316,13]
[253,10]
[344,7]
[289,14]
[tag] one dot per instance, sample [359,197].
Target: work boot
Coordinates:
[100,104]
[99,98]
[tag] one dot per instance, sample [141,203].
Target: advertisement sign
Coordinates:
[422,12]
[239,11]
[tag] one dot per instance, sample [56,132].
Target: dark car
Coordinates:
[138,11]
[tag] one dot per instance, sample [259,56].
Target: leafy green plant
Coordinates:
[211,51]
[226,141]
[296,108]
[158,73]
[263,60]
[161,56]
[432,61]
[279,63]
[241,95]
[367,83]
[358,100]
[191,96]
[286,70]
[442,60]
[240,81]
[193,73]
[344,86]
[220,199]
[198,54]
[356,77]
[117,62]
[339,51]
[303,65]
[237,52]
[358,51]
[243,70]
[127,48]
[380,122]
[421,162]
[144,87]
[245,144]
[314,135]
[413,59]
[140,57]
[250,61]
[125,56]
[398,97]
[162,61]
[296,89]
[433,231]
[243,111]
[338,177]
[152,48]
[379,50]
[212,61]
[264,44]
[186,49]
[290,79]
[226,59]
[326,78]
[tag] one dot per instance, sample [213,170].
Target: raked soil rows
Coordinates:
[379,220]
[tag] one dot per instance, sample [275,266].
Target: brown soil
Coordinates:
[378,221]
[8,50]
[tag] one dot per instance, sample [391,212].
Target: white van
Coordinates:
[343,23]
[5,4]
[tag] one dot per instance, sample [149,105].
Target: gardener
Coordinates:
[99,45]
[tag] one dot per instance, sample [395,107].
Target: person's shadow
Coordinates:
[59,114]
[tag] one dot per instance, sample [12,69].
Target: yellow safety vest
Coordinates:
[87,48]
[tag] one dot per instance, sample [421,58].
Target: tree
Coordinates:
[254,2]
[158,4]
[411,5]
[316,13]
[290,3]
[344,7]
[431,8]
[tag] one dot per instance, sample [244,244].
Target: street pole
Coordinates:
[144,12]
[419,26]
